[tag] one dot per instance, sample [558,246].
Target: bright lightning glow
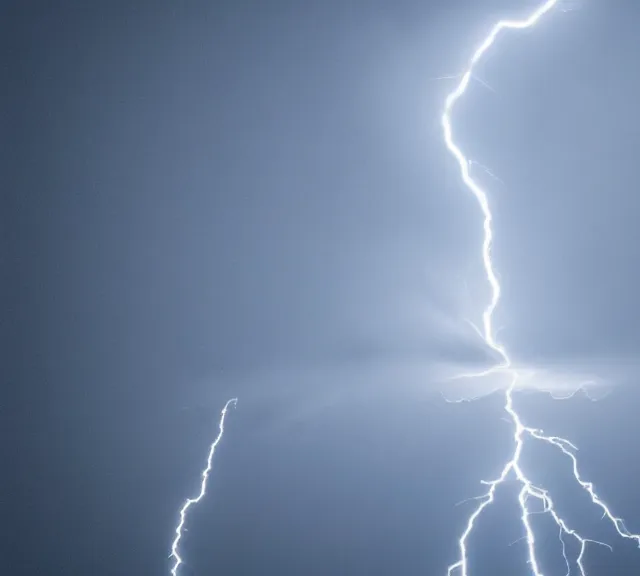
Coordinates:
[203,490]
[528,491]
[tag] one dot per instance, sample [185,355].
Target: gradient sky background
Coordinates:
[212,198]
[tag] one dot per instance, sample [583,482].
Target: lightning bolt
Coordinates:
[528,491]
[203,490]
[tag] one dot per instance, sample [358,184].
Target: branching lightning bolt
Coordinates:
[203,490]
[528,491]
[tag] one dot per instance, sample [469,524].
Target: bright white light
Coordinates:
[203,490]
[512,468]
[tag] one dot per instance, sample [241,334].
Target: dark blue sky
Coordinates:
[204,199]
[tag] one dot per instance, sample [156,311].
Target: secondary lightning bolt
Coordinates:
[203,490]
[529,491]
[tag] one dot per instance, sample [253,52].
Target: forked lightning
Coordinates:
[177,560]
[512,469]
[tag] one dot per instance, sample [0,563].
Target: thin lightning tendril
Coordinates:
[203,490]
[528,491]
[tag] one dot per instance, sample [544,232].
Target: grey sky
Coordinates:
[254,198]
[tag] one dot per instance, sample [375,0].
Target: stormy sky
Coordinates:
[205,199]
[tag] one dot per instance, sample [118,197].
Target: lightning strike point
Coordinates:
[512,469]
[189,502]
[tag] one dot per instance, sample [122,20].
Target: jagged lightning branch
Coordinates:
[203,490]
[529,491]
